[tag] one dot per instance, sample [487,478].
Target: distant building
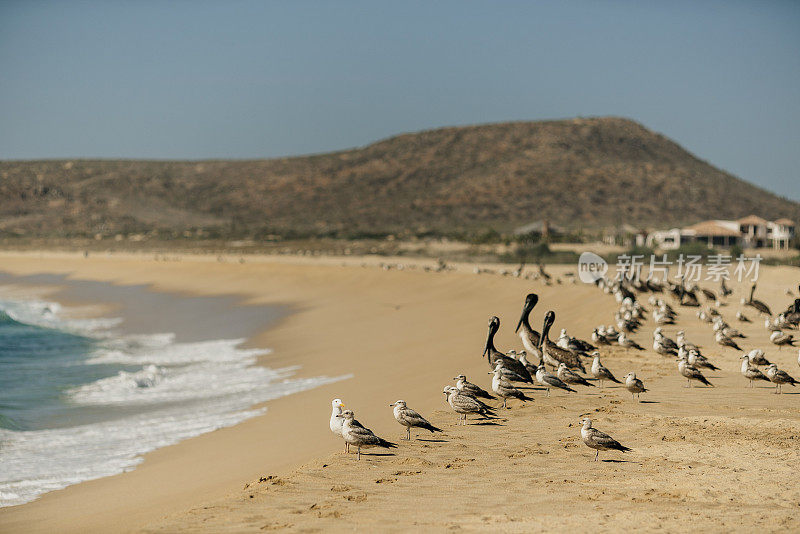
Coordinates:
[749,232]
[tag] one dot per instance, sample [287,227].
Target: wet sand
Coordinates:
[721,459]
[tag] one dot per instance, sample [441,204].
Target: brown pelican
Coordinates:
[551,353]
[757,304]
[529,336]
[494,355]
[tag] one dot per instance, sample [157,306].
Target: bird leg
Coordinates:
[597,454]
[359,452]
[504,403]
[408,433]
[548,392]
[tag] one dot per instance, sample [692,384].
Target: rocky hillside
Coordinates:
[581,173]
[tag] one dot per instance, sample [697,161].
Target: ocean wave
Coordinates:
[171,391]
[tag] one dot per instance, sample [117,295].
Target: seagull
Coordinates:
[698,360]
[725,341]
[757,357]
[505,389]
[751,373]
[336,421]
[569,377]
[409,418]
[628,343]
[781,339]
[464,404]
[597,440]
[548,380]
[691,373]
[779,377]
[600,372]
[359,436]
[742,317]
[468,388]
[634,385]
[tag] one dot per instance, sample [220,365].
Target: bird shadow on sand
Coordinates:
[377,453]
[434,440]
[610,461]
[486,423]
[650,402]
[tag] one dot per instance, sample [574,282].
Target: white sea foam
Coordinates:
[174,391]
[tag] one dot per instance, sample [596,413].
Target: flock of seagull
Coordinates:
[512,371]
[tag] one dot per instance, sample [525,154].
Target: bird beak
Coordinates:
[341,405]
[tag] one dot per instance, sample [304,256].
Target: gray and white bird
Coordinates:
[411,419]
[468,388]
[725,341]
[691,373]
[628,343]
[634,385]
[599,441]
[757,357]
[550,381]
[336,421]
[569,377]
[698,360]
[779,377]
[361,437]
[750,372]
[505,389]
[781,338]
[742,317]
[464,405]
[600,372]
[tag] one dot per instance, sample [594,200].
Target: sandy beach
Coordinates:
[717,459]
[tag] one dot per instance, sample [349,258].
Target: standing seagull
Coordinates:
[779,338]
[336,421]
[600,372]
[691,373]
[779,378]
[725,341]
[409,418]
[464,404]
[550,381]
[599,441]
[468,388]
[359,436]
[751,373]
[505,389]
[634,385]
[569,377]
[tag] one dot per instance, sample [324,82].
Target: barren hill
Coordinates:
[577,173]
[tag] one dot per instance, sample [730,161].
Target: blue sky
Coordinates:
[242,79]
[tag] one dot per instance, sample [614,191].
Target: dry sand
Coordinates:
[718,459]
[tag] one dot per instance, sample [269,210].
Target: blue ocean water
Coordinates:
[79,400]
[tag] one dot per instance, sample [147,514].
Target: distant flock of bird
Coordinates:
[566,356]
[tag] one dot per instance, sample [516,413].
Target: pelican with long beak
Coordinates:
[494,356]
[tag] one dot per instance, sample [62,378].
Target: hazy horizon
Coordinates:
[252,80]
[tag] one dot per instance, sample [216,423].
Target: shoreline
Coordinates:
[402,333]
